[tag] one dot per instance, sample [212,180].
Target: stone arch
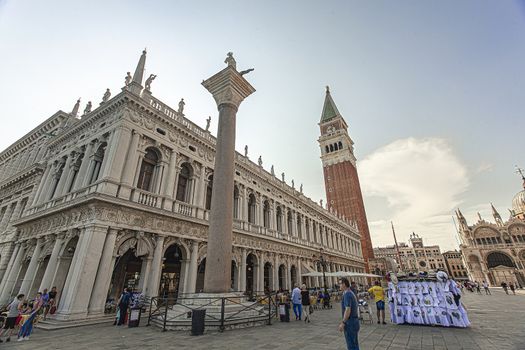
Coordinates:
[148,172]
[174,260]
[497,258]
[185,181]
[176,240]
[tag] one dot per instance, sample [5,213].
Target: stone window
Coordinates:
[236,199]
[266,214]
[147,170]
[251,208]
[184,183]
[279,219]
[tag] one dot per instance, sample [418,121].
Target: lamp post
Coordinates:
[322,262]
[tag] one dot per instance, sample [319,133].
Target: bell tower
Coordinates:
[343,192]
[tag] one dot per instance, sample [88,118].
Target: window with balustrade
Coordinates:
[251,208]
[147,170]
[184,183]
[266,214]
[279,218]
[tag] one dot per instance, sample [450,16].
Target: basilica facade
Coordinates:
[495,251]
[119,196]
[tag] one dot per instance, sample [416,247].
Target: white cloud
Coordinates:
[421,181]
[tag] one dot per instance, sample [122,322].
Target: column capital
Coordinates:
[228,87]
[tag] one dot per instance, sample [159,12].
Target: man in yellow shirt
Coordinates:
[379,297]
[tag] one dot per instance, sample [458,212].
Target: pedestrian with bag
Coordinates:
[13,311]
[296,301]
[305,301]
[123,304]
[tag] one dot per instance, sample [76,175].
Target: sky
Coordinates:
[433,91]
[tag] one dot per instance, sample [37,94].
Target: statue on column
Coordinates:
[260,161]
[149,81]
[88,108]
[230,61]
[208,121]
[106,96]
[181,106]
[128,78]
[246,151]
[272,171]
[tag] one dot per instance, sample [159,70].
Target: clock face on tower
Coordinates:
[330,129]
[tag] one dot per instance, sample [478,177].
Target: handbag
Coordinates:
[53,310]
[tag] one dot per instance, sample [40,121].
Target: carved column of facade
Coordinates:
[303,228]
[275,273]
[82,273]
[273,216]
[104,272]
[169,182]
[261,272]
[299,272]
[244,204]
[68,173]
[8,271]
[260,210]
[201,182]
[129,170]
[63,177]
[242,271]
[52,263]
[156,271]
[42,184]
[82,171]
[192,273]
[31,270]
[8,215]
[145,273]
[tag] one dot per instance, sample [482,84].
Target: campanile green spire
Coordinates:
[330,110]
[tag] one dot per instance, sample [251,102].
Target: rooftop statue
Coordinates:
[106,96]
[246,71]
[149,81]
[260,161]
[127,79]
[181,106]
[282,176]
[208,121]
[88,108]
[301,188]
[272,171]
[246,151]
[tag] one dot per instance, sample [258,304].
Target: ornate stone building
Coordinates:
[120,196]
[455,266]
[495,252]
[343,191]
[415,257]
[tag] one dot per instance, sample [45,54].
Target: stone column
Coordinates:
[7,216]
[128,174]
[31,270]
[261,273]
[169,182]
[81,276]
[63,177]
[242,271]
[192,273]
[276,273]
[7,273]
[145,273]
[199,198]
[154,280]
[229,89]
[42,184]
[82,172]
[52,264]
[114,160]
[104,273]
[299,272]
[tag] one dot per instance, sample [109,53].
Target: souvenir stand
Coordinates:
[426,300]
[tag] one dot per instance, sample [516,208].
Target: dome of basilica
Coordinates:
[518,202]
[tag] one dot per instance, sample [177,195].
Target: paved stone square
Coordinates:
[497,323]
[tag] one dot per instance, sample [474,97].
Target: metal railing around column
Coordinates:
[172,313]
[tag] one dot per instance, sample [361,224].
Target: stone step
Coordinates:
[53,325]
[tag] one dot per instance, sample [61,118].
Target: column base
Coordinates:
[238,311]
[109,187]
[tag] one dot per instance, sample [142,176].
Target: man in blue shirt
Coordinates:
[350,322]
[296,301]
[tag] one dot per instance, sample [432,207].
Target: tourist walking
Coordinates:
[45,303]
[296,301]
[512,288]
[478,289]
[123,304]
[305,301]
[350,323]
[27,326]
[505,287]
[379,297]
[486,287]
[13,310]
